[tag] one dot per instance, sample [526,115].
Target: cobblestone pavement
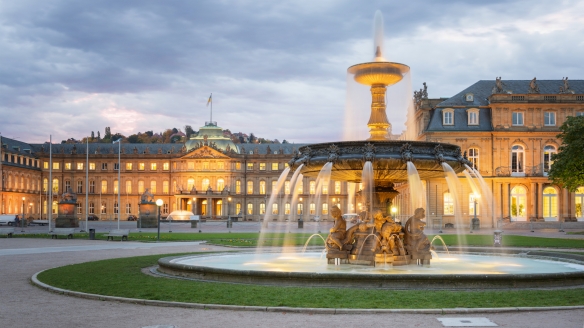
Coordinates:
[24,305]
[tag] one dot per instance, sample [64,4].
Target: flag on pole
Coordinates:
[210,99]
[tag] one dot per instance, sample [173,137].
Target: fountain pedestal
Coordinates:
[148,211]
[66,211]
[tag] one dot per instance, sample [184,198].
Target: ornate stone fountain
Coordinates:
[378,238]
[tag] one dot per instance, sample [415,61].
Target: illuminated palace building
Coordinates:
[507,129]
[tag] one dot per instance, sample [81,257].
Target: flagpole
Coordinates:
[50,184]
[87,184]
[211,99]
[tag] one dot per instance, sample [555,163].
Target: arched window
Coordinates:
[262,188]
[287,208]
[220,184]
[191,184]
[219,207]
[518,203]
[471,204]
[299,185]
[517,160]
[287,187]
[91,207]
[337,187]
[238,187]
[250,208]
[300,209]
[275,209]
[205,184]
[579,201]
[473,116]
[249,187]
[550,204]
[548,151]
[128,186]
[473,157]
[141,187]
[153,187]
[56,185]
[45,184]
[312,208]
[325,209]
[448,204]
[312,186]
[262,208]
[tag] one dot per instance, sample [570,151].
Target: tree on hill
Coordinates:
[567,169]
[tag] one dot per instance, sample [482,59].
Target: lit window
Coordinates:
[262,208]
[128,187]
[325,188]
[250,166]
[312,208]
[338,187]
[300,209]
[517,118]
[103,186]
[205,184]
[92,166]
[250,208]
[287,209]
[262,187]
[221,166]
[548,151]
[67,166]
[141,166]
[152,166]
[517,155]
[129,166]
[274,209]
[300,186]
[153,187]
[115,186]
[312,187]
[549,118]
[471,205]
[287,187]
[45,184]
[80,166]
[262,166]
[238,166]
[165,166]
[46,165]
[473,157]
[274,182]
[249,187]
[220,184]
[191,165]
[274,166]
[165,187]
[324,209]
[140,187]
[238,187]
[238,208]
[448,204]
[103,208]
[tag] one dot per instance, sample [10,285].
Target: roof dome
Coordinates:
[211,134]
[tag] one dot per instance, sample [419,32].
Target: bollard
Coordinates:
[91,234]
[229,223]
[300,223]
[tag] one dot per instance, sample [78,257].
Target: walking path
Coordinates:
[24,305]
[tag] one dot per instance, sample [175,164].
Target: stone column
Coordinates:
[540,199]
[533,201]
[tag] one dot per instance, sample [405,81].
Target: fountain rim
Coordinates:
[385,281]
[353,69]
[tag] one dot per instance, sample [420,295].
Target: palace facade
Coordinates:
[508,130]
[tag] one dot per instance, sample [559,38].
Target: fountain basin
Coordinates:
[389,159]
[459,271]
[382,72]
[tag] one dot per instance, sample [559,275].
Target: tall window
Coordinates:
[312,187]
[517,118]
[548,151]
[238,208]
[473,157]
[128,208]
[471,204]
[287,187]
[473,117]
[262,208]
[338,187]
[116,166]
[45,184]
[220,184]
[116,208]
[79,208]
[205,184]
[55,185]
[274,183]
[517,159]
[153,167]
[238,166]
[129,166]
[128,187]
[92,187]
[79,186]
[238,187]
[274,209]
[166,166]
[299,186]
[262,166]
[287,208]
[324,209]
[103,186]
[249,187]
[116,186]
[448,204]
[579,201]
[325,188]
[518,203]
[549,118]
[153,186]
[550,203]
[91,208]
[165,187]
[190,184]
[312,208]
[262,188]
[300,209]
[103,208]
[67,184]
[250,208]
[141,187]
[274,166]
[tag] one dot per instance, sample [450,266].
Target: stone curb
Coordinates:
[38,283]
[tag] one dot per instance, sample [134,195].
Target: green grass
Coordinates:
[509,241]
[123,277]
[575,233]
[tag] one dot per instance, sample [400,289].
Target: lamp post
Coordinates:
[22,219]
[159,203]
[393,212]
[475,221]
[119,141]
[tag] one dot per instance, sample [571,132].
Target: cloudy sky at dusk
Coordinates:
[275,68]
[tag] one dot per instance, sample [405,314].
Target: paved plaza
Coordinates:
[24,305]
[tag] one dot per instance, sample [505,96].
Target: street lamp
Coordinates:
[475,221]
[22,219]
[119,142]
[159,203]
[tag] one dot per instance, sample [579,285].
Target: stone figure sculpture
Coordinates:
[336,238]
[533,87]
[147,197]
[68,196]
[415,241]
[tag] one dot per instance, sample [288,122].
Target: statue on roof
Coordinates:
[498,88]
[533,87]
[566,87]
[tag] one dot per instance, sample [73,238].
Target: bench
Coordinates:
[7,231]
[68,232]
[123,233]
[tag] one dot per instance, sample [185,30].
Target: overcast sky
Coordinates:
[275,68]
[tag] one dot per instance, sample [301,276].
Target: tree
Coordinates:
[98,137]
[252,138]
[568,164]
[189,131]
[92,135]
